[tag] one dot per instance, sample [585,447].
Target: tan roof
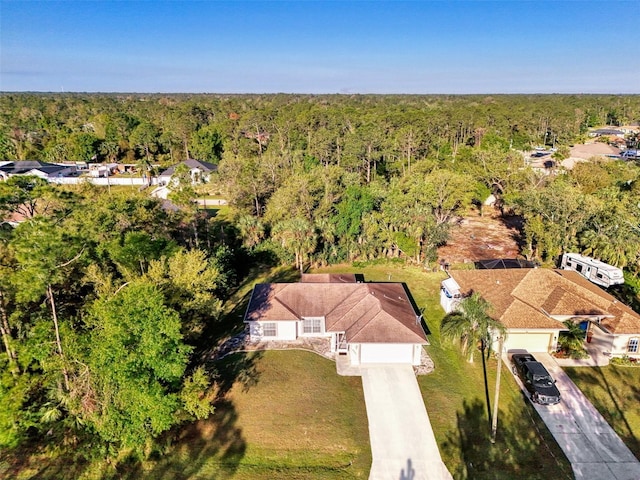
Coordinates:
[366,312]
[522,316]
[494,285]
[528,298]
[267,305]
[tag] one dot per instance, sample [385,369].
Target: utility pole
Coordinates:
[494,419]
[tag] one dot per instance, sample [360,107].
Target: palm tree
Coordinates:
[251,230]
[298,236]
[571,341]
[471,325]
[110,150]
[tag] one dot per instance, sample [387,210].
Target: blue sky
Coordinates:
[320,47]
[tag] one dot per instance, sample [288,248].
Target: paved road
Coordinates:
[211,202]
[402,442]
[595,451]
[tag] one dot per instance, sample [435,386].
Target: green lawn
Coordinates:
[615,392]
[280,415]
[286,415]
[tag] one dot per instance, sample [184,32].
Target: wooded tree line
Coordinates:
[371,134]
[104,298]
[333,178]
[329,215]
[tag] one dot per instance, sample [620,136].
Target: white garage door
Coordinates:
[386,353]
[532,342]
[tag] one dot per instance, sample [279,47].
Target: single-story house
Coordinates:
[102,170]
[199,171]
[600,132]
[13,219]
[532,303]
[35,167]
[368,322]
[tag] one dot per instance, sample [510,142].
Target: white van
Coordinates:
[593,270]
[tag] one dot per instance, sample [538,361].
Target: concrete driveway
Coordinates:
[402,442]
[595,451]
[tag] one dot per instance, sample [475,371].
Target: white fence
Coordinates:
[132,181]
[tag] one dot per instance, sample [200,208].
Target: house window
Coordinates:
[312,325]
[269,329]
[633,345]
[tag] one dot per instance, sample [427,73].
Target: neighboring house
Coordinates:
[533,303]
[35,167]
[199,170]
[13,219]
[600,132]
[368,322]
[102,170]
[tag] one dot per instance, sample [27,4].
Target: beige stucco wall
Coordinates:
[620,343]
[286,330]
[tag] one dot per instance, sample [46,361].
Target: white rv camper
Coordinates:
[593,270]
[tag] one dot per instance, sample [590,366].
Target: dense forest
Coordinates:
[309,180]
[338,178]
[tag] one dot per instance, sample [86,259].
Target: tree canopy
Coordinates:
[101,306]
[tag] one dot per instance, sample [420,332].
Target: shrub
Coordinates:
[625,361]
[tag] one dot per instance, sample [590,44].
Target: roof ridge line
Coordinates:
[376,303]
[578,290]
[355,290]
[402,301]
[365,323]
[284,304]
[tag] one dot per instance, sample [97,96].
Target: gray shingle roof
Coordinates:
[24,166]
[191,163]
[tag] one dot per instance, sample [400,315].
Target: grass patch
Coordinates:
[220,212]
[615,392]
[287,416]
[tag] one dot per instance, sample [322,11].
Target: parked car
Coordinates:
[536,379]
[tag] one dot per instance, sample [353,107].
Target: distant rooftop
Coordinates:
[191,163]
[21,167]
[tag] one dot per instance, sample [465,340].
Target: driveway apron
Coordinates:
[402,442]
[595,451]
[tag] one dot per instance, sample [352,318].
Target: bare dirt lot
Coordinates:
[482,238]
